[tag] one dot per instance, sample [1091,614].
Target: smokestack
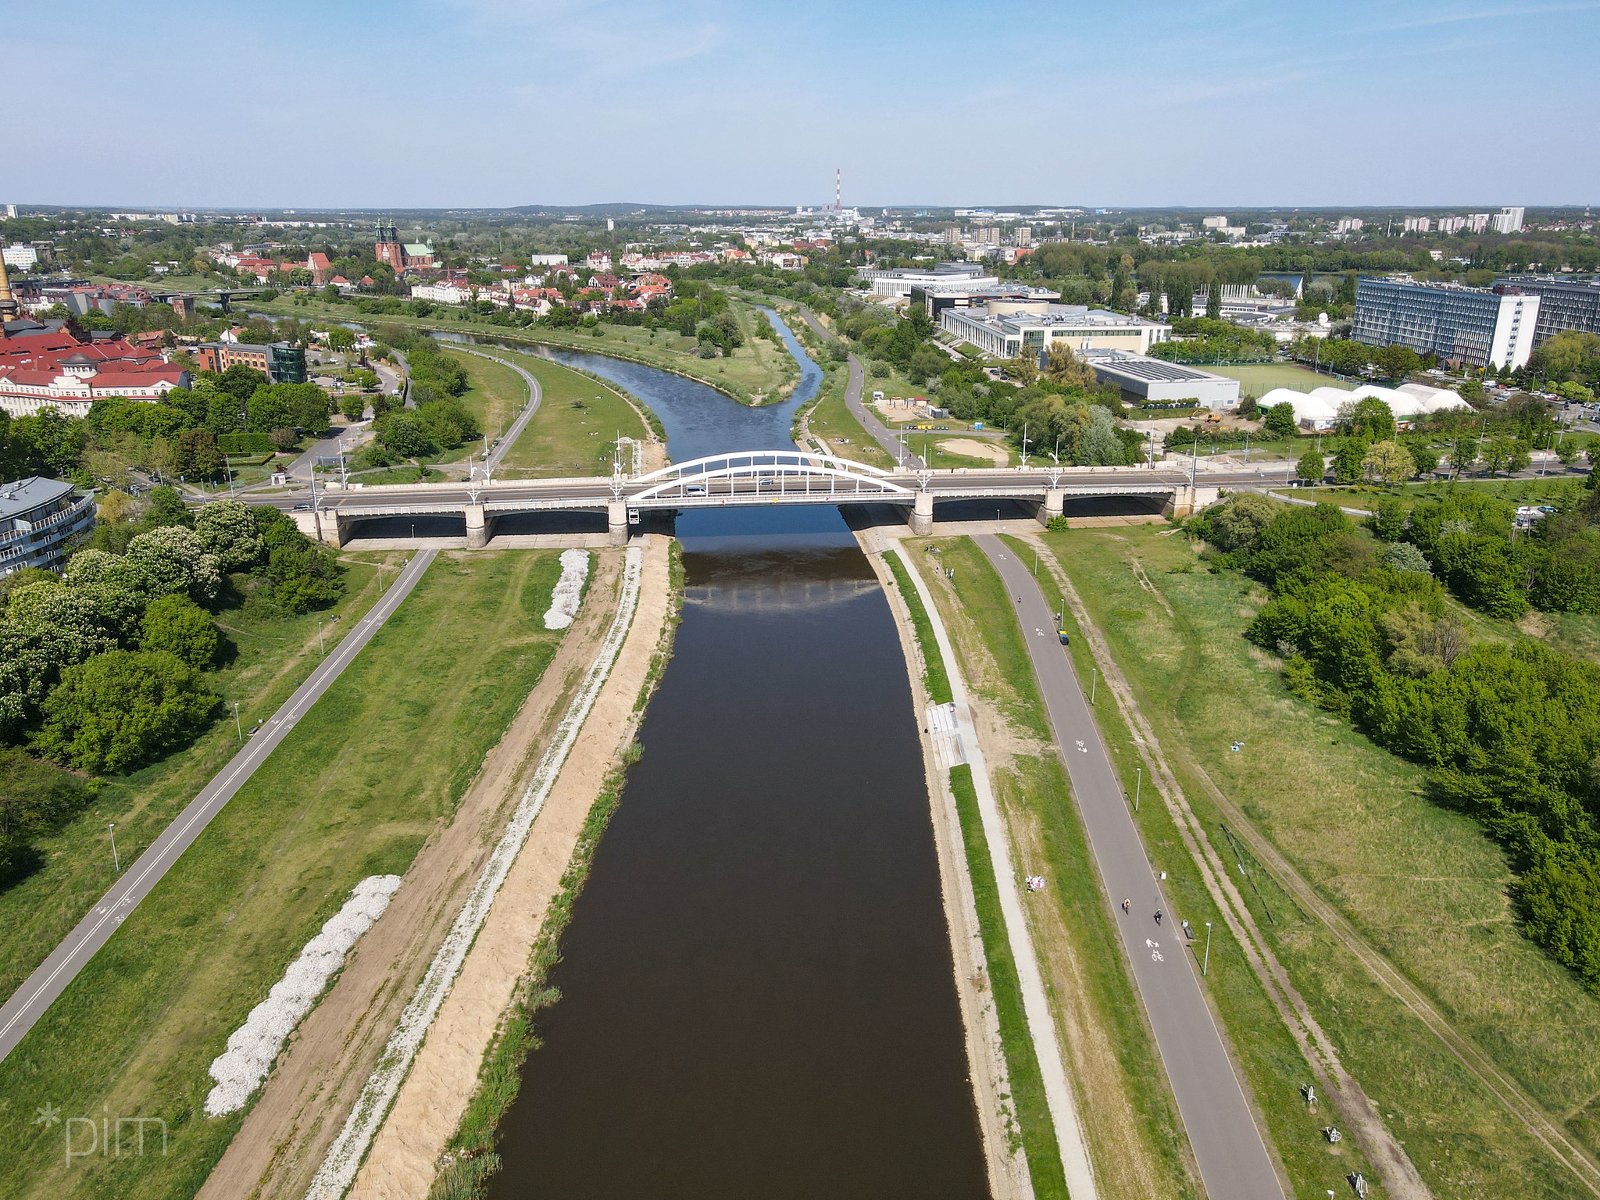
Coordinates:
[838,190]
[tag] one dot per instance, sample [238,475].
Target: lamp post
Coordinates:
[322,646]
[1205,963]
[1094,683]
[238,725]
[1138,785]
[116,860]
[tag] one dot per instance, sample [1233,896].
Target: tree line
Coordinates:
[1509,731]
[107,666]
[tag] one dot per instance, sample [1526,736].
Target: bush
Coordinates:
[181,628]
[121,709]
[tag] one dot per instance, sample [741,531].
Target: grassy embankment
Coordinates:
[270,656]
[1423,886]
[827,417]
[576,427]
[759,369]
[353,791]
[495,393]
[1562,491]
[1129,1120]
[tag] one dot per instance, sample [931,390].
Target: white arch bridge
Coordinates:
[749,478]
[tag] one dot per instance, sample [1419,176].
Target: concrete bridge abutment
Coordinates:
[1053,506]
[319,526]
[1186,500]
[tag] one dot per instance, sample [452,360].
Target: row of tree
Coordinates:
[1509,731]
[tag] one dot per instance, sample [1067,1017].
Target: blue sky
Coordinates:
[408,103]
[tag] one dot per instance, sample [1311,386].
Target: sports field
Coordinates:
[1257,379]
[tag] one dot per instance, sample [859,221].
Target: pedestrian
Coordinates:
[1158,916]
[1127,905]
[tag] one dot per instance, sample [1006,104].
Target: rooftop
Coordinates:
[22,496]
[1137,366]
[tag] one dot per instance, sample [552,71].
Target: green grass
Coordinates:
[272,655]
[1090,980]
[1035,1130]
[829,419]
[760,369]
[577,424]
[1257,379]
[1423,885]
[354,790]
[494,394]
[1561,491]
[934,676]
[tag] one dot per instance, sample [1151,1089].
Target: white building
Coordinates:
[1349,225]
[445,292]
[1508,220]
[21,256]
[1155,381]
[896,283]
[1419,224]
[1319,409]
[1007,328]
[547,260]
[1214,223]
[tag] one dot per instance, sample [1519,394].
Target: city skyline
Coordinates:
[490,103]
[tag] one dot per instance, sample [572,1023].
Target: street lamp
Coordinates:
[1094,684]
[116,860]
[1205,964]
[1138,785]
[238,725]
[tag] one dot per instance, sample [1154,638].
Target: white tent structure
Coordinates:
[1319,408]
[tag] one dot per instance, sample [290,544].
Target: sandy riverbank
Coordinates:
[429,1106]
[287,1132]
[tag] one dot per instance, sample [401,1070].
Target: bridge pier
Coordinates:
[1186,501]
[319,526]
[617,522]
[1055,500]
[477,527]
[922,514]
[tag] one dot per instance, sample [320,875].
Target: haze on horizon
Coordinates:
[496,103]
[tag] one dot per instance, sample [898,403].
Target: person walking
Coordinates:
[1127,905]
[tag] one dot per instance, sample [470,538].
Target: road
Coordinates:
[1228,1146]
[535,395]
[22,1011]
[876,429]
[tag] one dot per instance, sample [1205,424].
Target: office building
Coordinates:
[1459,325]
[934,298]
[1145,380]
[898,282]
[37,518]
[1563,303]
[1007,328]
[279,362]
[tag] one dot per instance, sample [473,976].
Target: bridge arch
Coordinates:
[776,474]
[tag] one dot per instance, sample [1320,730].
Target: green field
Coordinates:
[1257,379]
[578,422]
[353,791]
[829,419]
[494,395]
[1558,490]
[272,655]
[761,369]
[1129,1120]
[1422,885]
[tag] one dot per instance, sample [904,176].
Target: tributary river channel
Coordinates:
[756,987]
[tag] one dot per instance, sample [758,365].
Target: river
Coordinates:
[756,987]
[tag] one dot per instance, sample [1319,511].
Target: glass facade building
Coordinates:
[1459,325]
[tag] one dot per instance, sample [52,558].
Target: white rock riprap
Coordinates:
[254,1046]
[568,590]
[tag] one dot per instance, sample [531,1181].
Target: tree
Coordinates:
[1369,419]
[1311,467]
[227,529]
[180,627]
[341,339]
[353,406]
[123,708]
[36,799]
[1387,462]
[1024,368]
[54,443]
[167,508]
[402,433]
[1065,369]
[175,562]
[1463,452]
[198,455]
[1567,452]
[241,382]
[1397,362]
[1348,460]
[1278,420]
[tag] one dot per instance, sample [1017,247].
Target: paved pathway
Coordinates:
[22,1011]
[876,429]
[535,395]
[1228,1146]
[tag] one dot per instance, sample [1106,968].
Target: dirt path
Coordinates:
[284,1137]
[1396,1171]
[991,1086]
[405,1153]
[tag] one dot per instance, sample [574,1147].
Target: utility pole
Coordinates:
[116,860]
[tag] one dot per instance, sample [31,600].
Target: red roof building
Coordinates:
[52,370]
